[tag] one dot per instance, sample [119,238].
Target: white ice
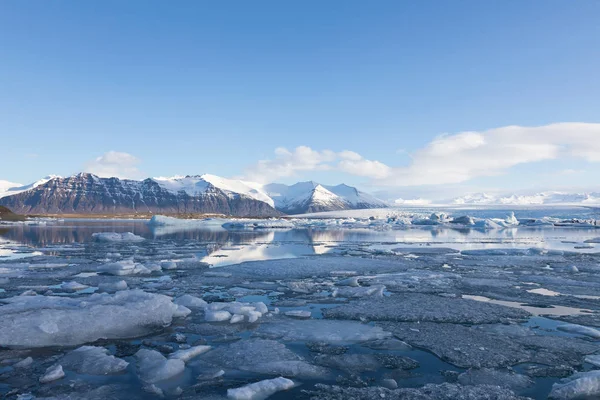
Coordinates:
[260,390]
[582,385]
[43,321]
[124,267]
[52,374]
[187,354]
[92,360]
[582,330]
[153,367]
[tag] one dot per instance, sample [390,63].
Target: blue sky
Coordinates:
[190,87]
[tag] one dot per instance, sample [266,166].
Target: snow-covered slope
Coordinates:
[197,184]
[9,188]
[160,193]
[311,196]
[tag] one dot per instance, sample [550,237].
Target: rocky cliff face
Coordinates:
[89,194]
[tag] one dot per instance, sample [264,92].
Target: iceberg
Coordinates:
[260,390]
[43,321]
[92,360]
[153,367]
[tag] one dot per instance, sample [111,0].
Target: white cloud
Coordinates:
[463,156]
[114,164]
[288,163]
[449,158]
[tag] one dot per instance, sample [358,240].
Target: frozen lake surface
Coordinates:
[368,305]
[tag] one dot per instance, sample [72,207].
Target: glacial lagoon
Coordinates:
[121,309]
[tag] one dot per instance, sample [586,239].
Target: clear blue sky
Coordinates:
[198,86]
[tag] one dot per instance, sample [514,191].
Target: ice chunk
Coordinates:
[582,330]
[264,357]
[594,360]
[187,354]
[111,287]
[444,391]
[43,321]
[116,237]
[424,307]
[153,367]
[25,363]
[73,286]
[299,268]
[52,374]
[220,311]
[352,281]
[190,301]
[487,376]
[582,385]
[355,292]
[319,330]
[125,267]
[181,311]
[91,360]
[216,316]
[260,390]
[357,363]
[481,347]
[236,318]
[167,265]
[298,314]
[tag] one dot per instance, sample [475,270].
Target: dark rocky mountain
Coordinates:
[88,194]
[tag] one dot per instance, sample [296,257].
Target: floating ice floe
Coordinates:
[259,224]
[92,360]
[190,301]
[357,363]
[219,312]
[42,321]
[594,360]
[319,330]
[111,287]
[73,286]
[260,390]
[298,314]
[487,376]
[582,385]
[187,354]
[116,237]
[264,357]
[424,307]
[124,267]
[52,374]
[581,330]
[153,367]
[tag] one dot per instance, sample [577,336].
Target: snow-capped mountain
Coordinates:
[544,198]
[307,197]
[9,188]
[198,184]
[88,194]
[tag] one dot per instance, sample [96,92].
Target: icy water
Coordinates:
[503,312]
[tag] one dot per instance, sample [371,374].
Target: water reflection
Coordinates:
[245,245]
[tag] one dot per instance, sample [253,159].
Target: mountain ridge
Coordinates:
[86,193]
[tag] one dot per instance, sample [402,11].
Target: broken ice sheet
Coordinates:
[93,360]
[424,307]
[319,330]
[43,321]
[264,357]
